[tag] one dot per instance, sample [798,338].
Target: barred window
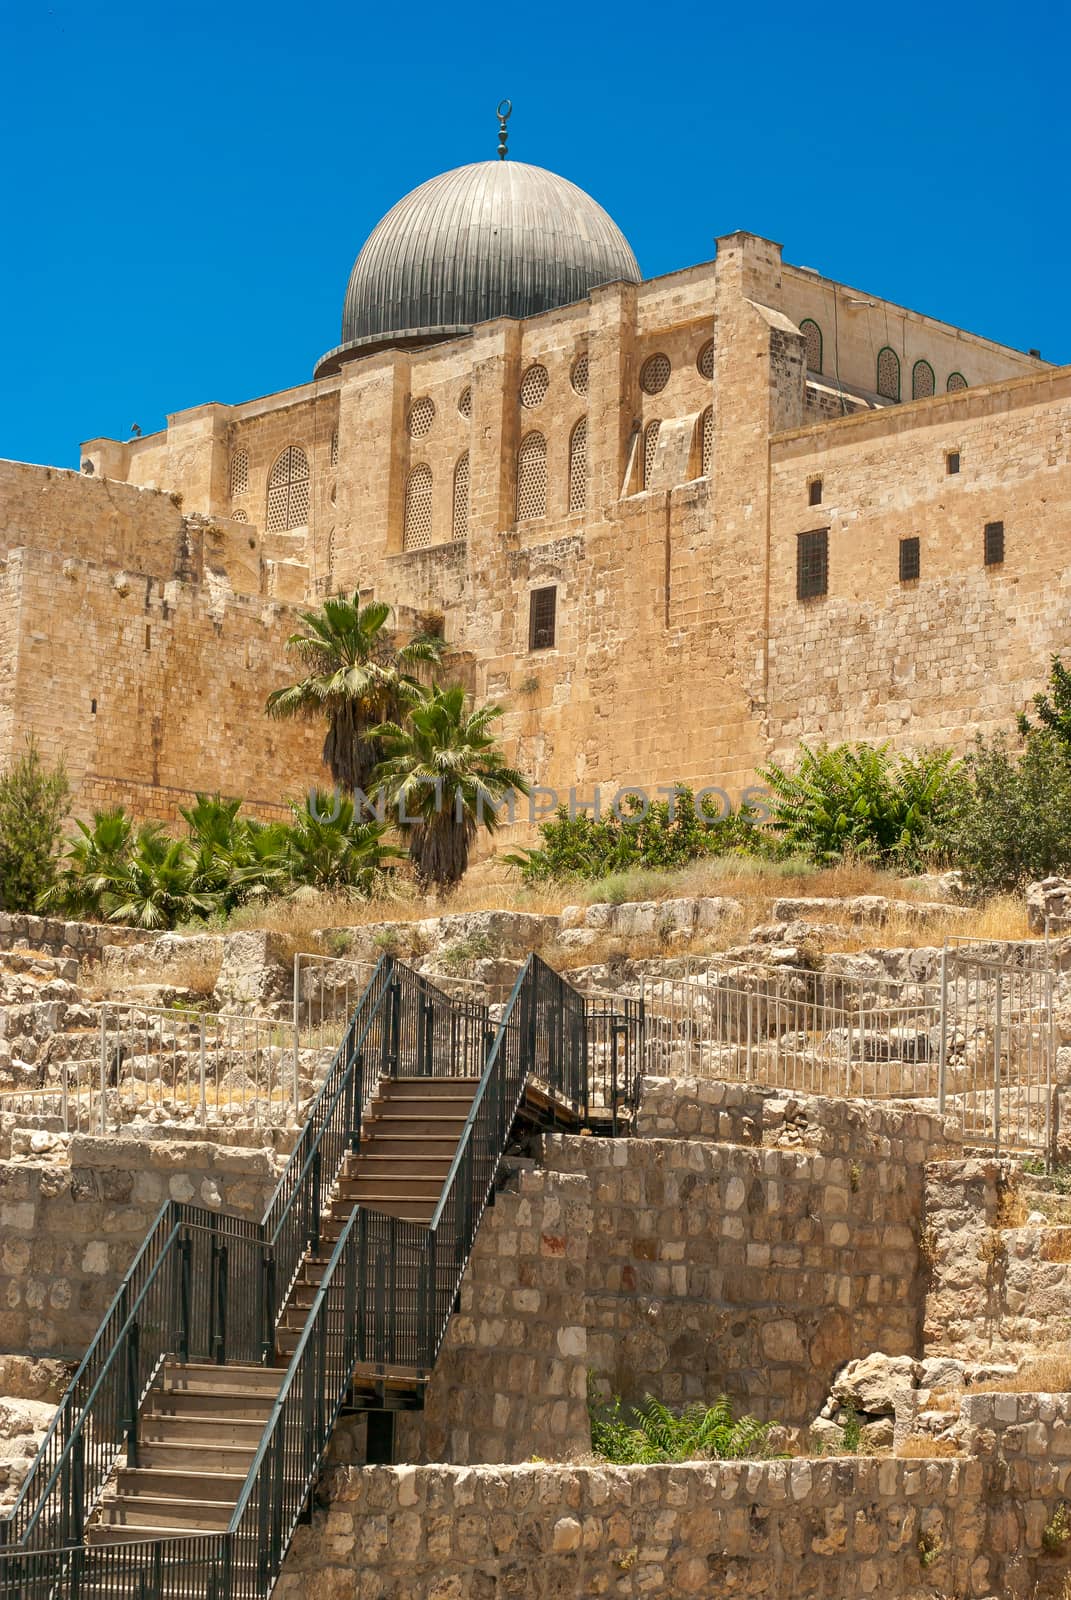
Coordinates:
[239,516]
[421,416]
[417,532]
[923,383]
[461,497]
[888,374]
[650,446]
[654,374]
[956,382]
[334,448]
[578,466]
[705,363]
[534,387]
[706,432]
[910,560]
[464,404]
[288,491]
[812,340]
[994,544]
[579,375]
[812,564]
[542,618]
[532,477]
[239,472]
[952,463]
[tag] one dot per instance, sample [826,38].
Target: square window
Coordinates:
[542,617]
[812,564]
[815,492]
[952,463]
[994,544]
[910,561]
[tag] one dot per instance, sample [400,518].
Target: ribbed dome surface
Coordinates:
[497,238]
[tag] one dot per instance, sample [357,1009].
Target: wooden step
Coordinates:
[201,1405]
[426,1088]
[390,1184]
[161,1483]
[197,1455]
[161,1511]
[175,1428]
[420,1147]
[420,1211]
[423,1125]
[205,1378]
[102,1533]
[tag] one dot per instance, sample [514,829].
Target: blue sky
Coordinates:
[185,188]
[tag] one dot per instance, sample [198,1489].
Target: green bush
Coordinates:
[33,804]
[588,847]
[1010,820]
[653,1433]
[858,800]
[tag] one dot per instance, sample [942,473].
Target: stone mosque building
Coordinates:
[673,525]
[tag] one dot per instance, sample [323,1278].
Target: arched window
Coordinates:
[888,374]
[706,437]
[288,491]
[461,497]
[417,532]
[956,382]
[239,472]
[705,360]
[578,466]
[923,383]
[532,477]
[812,340]
[650,445]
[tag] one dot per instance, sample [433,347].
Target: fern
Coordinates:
[653,1433]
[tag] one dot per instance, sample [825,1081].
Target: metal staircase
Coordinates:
[186,1447]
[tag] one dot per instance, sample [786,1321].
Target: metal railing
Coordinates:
[791,1028]
[211,1287]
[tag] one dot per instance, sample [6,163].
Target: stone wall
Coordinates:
[831,1530]
[68,1233]
[82,941]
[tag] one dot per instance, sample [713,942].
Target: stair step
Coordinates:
[395,1124]
[161,1483]
[100,1533]
[391,1184]
[410,1088]
[405,1210]
[205,1378]
[421,1147]
[164,1430]
[161,1511]
[197,1455]
[208,1405]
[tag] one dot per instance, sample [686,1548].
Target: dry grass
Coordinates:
[1042,1374]
[1056,1245]
[198,974]
[923,1447]
[1012,1210]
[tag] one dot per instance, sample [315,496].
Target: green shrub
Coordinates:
[33,804]
[593,848]
[858,800]
[1010,821]
[652,1433]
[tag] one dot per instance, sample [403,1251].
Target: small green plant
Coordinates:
[854,1177]
[1057,1531]
[851,1432]
[652,1432]
[339,942]
[33,803]
[459,956]
[929,1548]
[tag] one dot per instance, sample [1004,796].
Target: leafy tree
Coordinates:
[1010,822]
[444,770]
[858,800]
[652,1433]
[357,678]
[33,804]
[1054,708]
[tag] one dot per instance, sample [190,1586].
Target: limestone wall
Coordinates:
[840,1530]
[68,1233]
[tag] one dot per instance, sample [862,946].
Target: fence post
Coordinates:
[942,1046]
[131,1419]
[104,1068]
[998,1030]
[204,1097]
[297,1033]
[1050,1043]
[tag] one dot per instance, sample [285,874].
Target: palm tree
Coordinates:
[329,846]
[444,774]
[356,678]
[94,862]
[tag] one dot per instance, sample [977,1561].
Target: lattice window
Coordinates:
[910,560]
[654,374]
[650,446]
[534,386]
[240,516]
[812,341]
[812,564]
[922,381]
[705,360]
[421,416]
[532,477]
[706,436]
[578,466]
[334,448]
[239,472]
[579,375]
[288,491]
[994,544]
[461,497]
[888,374]
[417,532]
[956,382]
[464,404]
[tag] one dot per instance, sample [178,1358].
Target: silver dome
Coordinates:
[494,239]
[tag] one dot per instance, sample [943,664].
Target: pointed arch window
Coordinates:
[812,343]
[461,497]
[288,491]
[706,439]
[888,374]
[578,466]
[532,477]
[650,447]
[417,531]
[923,383]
